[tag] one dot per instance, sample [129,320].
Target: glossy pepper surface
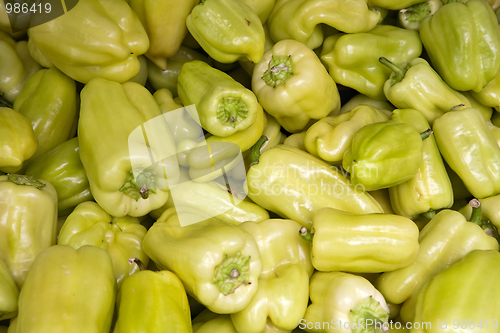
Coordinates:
[364,243]
[68,290]
[463,44]
[63,168]
[352,65]
[94,39]
[283,293]
[227,30]
[458,135]
[105,153]
[285,176]
[218,263]
[293,86]
[29,220]
[9,293]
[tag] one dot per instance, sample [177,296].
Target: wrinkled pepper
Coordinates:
[294,184]
[301,20]
[463,44]
[9,293]
[352,59]
[63,168]
[152,302]
[94,39]
[330,137]
[431,188]
[68,290]
[458,135]
[124,180]
[227,30]
[121,237]
[361,243]
[17,140]
[28,211]
[218,263]
[283,291]
[293,86]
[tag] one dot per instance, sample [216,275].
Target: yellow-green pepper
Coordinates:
[296,140]
[9,293]
[293,86]
[392,4]
[208,322]
[360,99]
[411,17]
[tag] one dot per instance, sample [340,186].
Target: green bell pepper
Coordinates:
[346,302]
[49,100]
[353,59]
[152,302]
[63,168]
[294,184]
[121,237]
[293,86]
[415,85]
[330,137]
[461,297]
[17,140]
[125,180]
[361,243]
[458,135]
[69,291]
[218,263]
[227,30]
[384,154]
[301,20]
[28,211]
[431,188]
[224,106]
[9,293]
[463,44]
[283,291]
[411,17]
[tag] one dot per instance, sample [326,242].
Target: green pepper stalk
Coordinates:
[412,17]
[255,151]
[477,218]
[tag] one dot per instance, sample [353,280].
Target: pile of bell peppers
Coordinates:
[251,166]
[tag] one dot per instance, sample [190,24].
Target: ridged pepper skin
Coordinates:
[227,30]
[458,135]
[283,291]
[293,86]
[16,66]
[416,85]
[97,38]
[446,239]
[285,178]
[330,137]
[68,291]
[338,298]
[103,136]
[9,293]
[49,100]
[463,44]
[121,237]
[353,59]
[301,20]
[17,140]
[461,296]
[362,243]
[224,106]
[165,24]
[383,154]
[152,302]
[28,216]
[63,168]
[430,189]
[218,263]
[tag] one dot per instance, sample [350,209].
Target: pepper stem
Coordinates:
[477,213]
[138,262]
[366,311]
[25,180]
[425,134]
[231,273]
[400,72]
[255,150]
[139,187]
[417,12]
[231,111]
[306,235]
[429,214]
[280,69]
